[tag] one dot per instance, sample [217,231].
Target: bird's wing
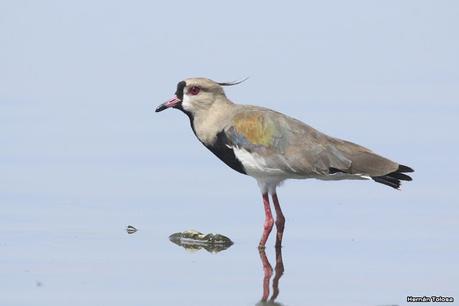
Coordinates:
[270,142]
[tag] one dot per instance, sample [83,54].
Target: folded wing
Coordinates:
[269,143]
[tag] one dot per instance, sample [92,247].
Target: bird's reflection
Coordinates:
[267,274]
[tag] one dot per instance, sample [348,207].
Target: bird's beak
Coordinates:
[168,104]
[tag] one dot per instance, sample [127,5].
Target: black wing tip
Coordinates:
[400,176]
[393,179]
[388,181]
[403,168]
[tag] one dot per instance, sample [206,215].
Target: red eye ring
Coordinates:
[194,90]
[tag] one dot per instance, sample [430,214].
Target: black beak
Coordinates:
[168,104]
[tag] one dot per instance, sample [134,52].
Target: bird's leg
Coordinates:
[269,222]
[280,220]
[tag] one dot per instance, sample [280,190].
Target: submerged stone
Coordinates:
[194,240]
[130,229]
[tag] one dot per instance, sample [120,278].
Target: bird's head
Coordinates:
[196,94]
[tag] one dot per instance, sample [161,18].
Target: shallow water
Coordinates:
[372,251]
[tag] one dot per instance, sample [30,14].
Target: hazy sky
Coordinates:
[79,81]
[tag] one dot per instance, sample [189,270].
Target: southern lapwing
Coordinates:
[273,147]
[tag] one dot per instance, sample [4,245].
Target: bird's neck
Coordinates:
[207,123]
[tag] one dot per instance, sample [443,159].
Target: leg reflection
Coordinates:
[267,273]
[279,271]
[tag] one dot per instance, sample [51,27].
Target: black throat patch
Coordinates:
[225,153]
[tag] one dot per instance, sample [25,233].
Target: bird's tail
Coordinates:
[393,179]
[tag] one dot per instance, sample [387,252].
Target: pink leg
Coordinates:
[280,221]
[269,222]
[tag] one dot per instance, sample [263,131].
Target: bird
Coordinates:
[272,147]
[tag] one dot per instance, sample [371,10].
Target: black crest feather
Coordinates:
[233,82]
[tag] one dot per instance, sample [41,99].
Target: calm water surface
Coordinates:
[372,246]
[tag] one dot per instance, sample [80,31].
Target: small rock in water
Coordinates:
[130,229]
[194,240]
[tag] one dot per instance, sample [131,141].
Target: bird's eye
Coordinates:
[194,90]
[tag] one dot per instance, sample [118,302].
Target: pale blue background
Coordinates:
[82,154]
